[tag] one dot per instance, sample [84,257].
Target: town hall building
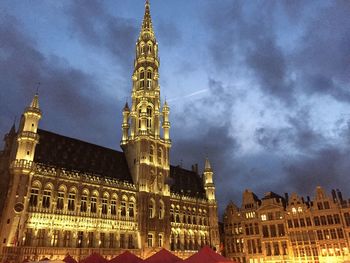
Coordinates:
[60,195]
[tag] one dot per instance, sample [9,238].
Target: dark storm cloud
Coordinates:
[93,25]
[212,137]
[240,41]
[323,59]
[70,99]
[328,167]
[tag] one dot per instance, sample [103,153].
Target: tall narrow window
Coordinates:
[150,240]
[131,210]
[33,201]
[131,241]
[55,238]
[93,204]
[91,239]
[161,210]
[71,201]
[123,208]
[149,117]
[149,79]
[46,198]
[160,240]
[83,203]
[66,238]
[114,207]
[80,239]
[104,206]
[60,200]
[151,209]
[142,79]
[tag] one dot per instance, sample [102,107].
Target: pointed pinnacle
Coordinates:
[35,101]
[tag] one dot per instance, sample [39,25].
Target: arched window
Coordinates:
[160,156]
[34,193]
[105,204]
[114,206]
[60,197]
[71,200]
[93,203]
[142,48]
[142,78]
[47,197]
[149,48]
[151,153]
[123,206]
[83,202]
[149,117]
[161,210]
[149,79]
[132,208]
[151,209]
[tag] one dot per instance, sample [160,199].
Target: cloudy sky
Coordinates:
[261,87]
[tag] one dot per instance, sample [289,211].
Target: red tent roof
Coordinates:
[94,258]
[69,259]
[126,257]
[163,256]
[206,255]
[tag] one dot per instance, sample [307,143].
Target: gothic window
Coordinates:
[161,210]
[60,200]
[111,240]
[93,204]
[104,206]
[142,78]
[122,241]
[149,48]
[149,117]
[142,49]
[90,239]
[71,201]
[41,237]
[33,201]
[102,240]
[80,239]
[66,238]
[150,240]
[151,208]
[83,203]
[151,153]
[114,207]
[131,209]
[123,208]
[46,198]
[55,238]
[149,79]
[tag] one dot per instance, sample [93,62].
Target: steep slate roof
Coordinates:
[186,182]
[73,154]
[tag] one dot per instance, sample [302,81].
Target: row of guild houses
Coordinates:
[288,228]
[61,195]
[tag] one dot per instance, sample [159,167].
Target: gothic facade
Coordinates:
[60,195]
[288,229]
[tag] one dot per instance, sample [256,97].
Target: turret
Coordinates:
[166,123]
[208,181]
[27,134]
[125,124]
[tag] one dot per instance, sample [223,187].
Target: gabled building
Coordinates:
[288,229]
[62,195]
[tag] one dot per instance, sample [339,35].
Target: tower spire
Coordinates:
[147,28]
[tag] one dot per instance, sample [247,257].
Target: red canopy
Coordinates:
[206,255]
[94,258]
[69,259]
[126,257]
[163,256]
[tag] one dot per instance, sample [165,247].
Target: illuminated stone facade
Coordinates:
[60,195]
[288,229]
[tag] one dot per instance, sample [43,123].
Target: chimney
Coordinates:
[334,195]
[340,196]
[195,168]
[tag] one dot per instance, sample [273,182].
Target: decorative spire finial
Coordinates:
[147,28]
